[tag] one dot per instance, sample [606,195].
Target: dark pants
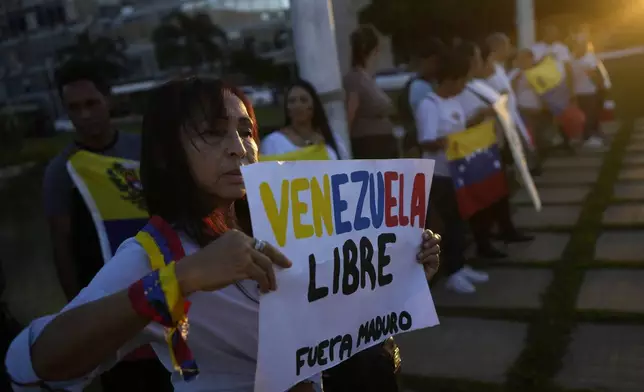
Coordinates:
[444,203]
[592,106]
[375,147]
[146,375]
[537,122]
[373,369]
[482,222]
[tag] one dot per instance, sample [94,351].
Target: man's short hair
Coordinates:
[453,65]
[75,71]
[429,48]
[493,40]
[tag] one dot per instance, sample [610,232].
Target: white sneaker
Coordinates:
[460,284]
[594,142]
[556,139]
[475,276]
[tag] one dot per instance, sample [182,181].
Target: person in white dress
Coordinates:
[590,90]
[197,133]
[550,45]
[305,125]
[531,109]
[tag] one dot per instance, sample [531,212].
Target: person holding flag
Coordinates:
[484,206]
[437,117]
[555,60]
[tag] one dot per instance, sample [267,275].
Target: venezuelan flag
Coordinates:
[316,152]
[475,165]
[548,80]
[113,194]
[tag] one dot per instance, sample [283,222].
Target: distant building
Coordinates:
[32,31]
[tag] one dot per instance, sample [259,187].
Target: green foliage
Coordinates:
[259,70]
[186,40]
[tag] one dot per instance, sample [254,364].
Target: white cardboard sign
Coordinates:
[353,230]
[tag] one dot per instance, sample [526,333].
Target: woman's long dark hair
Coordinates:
[364,40]
[169,188]
[319,121]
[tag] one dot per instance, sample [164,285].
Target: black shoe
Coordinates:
[516,237]
[491,253]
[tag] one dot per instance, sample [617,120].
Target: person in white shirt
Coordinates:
[306,124]
[437,115]
[197,133]
[500,52]
[531,109]
[550,45]
[590,91]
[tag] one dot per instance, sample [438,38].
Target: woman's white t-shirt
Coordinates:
[223,334]
[584,84]
[277,143]
[527,98]
[560,51]
[436,118]
[476,96]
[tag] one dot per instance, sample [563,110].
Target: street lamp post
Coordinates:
[525,21]
[317,58]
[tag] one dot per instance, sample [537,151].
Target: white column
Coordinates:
[317,59]
[525,23]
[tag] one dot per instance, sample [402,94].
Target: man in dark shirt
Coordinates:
[77,253]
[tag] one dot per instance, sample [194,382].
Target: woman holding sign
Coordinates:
[306,134]
[189,283]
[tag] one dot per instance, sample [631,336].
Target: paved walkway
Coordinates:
[486,340]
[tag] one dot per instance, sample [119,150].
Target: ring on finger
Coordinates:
[259,245]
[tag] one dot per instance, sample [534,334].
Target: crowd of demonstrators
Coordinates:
[587,81]
[454,90]
[196,134]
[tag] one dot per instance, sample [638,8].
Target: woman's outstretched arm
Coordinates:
[92,330]
[61,351]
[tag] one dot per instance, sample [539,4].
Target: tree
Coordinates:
[257,69]
[106,54]
[194,41]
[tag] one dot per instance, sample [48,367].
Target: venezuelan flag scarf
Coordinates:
[548,80]
[316,152]
[474,162]
[112,191]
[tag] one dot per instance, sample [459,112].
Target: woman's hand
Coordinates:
[429,253]
[232,257]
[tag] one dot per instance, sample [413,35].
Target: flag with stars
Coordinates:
[475,165]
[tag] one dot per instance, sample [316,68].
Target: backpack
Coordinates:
[406,115]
